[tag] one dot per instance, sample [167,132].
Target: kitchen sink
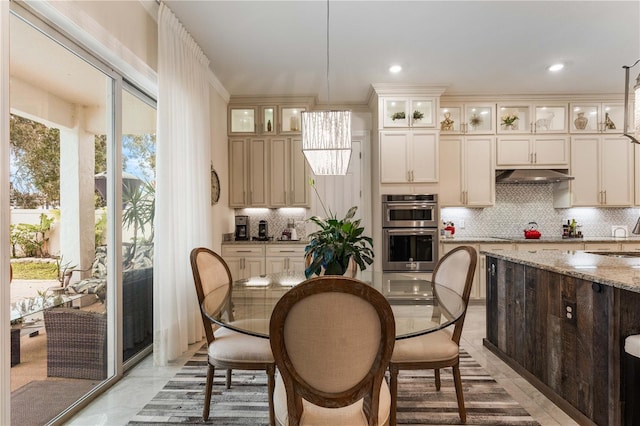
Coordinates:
[617,253]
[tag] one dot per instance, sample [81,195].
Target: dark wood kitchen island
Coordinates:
[560,320]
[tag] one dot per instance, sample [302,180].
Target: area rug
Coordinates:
[37,402]
[182,399]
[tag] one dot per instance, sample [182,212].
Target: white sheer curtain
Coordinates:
[183,209]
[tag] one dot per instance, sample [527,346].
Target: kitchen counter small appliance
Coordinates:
[531,232]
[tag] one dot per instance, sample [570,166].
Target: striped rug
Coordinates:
[181,400]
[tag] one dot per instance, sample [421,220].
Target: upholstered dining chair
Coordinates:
[332,338]
[227,349]
[441,348]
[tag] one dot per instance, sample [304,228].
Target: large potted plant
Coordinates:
[337,243]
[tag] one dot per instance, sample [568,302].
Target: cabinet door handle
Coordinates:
[605,197]
[535,158]
[287,251]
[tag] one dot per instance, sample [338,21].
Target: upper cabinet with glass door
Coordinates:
[242,120]
[597,117]
[468,118]
[291,119]
[268,122]
[409,111]
[526,117]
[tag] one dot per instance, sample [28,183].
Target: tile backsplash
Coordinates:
[517,205]
[277,220]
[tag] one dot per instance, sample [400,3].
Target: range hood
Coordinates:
[532,176]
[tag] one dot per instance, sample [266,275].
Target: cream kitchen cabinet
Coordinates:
[245,260]
[291,119]
[532,117]
[603,170]
[550,247]
[266,116]
[630,246]
[469,178]
[285,257]
[288,173]
[470,118]
[596,117]
[404,111]
[248,172]
[479,287]
[242,120]
[408,156]
[533,151]
[602,246]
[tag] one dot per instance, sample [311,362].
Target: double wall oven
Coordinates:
[410,232]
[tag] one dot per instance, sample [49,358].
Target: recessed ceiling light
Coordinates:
[556,67]
[395,69]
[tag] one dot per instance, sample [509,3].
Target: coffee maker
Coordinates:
[242,228]
[263,230]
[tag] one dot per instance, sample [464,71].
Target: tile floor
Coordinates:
[116,406]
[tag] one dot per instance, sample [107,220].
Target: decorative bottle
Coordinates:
[269,126]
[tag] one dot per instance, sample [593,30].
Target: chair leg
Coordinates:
[458,383]
[228,378]
[393,389]
[207,394]
[271,385]
[437,375]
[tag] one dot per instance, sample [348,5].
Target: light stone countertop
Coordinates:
[619,272]
[274,241]
[543,239]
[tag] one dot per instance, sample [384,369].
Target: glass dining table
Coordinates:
[419,306]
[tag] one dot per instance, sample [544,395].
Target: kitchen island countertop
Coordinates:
[619,272]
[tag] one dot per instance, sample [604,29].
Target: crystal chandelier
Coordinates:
[636,116]
[326,135]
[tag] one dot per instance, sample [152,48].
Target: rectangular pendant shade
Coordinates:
[326,141]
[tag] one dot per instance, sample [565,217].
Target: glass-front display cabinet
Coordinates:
[242,120]
[550,119]
[268,123]
[408,112]
[467,118]
[596,117]
[514,118]
[290,119]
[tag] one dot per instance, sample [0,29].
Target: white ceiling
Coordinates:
[473,47]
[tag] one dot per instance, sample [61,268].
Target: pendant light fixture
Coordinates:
[326,135]
[636,115]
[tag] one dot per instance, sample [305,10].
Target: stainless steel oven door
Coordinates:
[409,249]
[414,214]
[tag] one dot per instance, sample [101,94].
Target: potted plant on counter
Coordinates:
[336,244]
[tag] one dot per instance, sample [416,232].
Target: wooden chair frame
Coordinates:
[209,332]
[295,385]
[394,368]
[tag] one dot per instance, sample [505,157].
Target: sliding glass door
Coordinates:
[82,152]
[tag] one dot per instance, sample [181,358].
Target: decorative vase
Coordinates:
[581,121]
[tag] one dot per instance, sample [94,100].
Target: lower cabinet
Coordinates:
[563,334]
[252,260]
[281,258]
[245,261]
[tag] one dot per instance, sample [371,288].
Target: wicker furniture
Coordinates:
[76,343]
[439,349]
[332,338]
[228,349]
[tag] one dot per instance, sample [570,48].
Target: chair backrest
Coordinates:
[332,338]
[455,271]
[212,278]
